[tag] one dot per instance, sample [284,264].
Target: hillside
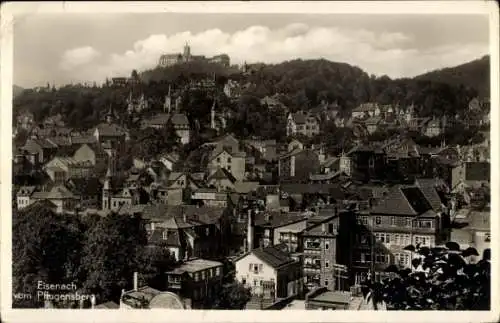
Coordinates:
[473,74]
[16,90]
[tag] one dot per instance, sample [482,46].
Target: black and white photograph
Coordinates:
[260,160]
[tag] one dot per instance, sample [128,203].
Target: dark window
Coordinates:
[330,228]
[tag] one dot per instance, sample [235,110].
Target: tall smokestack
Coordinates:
[250,229]
[135,280]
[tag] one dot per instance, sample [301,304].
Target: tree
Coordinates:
[111,255]
[45,247]
[234,295]
[440,279]
[156,261]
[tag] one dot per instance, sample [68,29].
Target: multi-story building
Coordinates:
[61,169]
[299,164]
[199,280]
[319,249]
[270,273]
[368,163]
[24,196]
[39,151]
[232,161]
[188,231]
[181,126]
[273,228]
[366,110]
[304,124]
[62,198]
[403,217]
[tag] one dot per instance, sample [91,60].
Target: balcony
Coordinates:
[313,266]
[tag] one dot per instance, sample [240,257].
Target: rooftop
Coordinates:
[195,265]
[333,297]
[273,256]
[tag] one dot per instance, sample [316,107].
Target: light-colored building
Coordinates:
[233,162]
[24,196]
[364,110]
[60,196]
[304,124]
[270,272]
[167,60]
[61,169]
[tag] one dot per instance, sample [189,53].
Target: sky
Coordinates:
[79,47]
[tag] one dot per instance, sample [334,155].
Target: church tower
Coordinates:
[212,117]
[167,106]
[107,186]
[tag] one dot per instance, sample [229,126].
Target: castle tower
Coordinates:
[187,52]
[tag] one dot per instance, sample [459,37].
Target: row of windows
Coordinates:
[398,222]
[206,274]
[315,244]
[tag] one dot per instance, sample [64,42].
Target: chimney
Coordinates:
[250,229]
[92,301]
[184,217]
[135,280]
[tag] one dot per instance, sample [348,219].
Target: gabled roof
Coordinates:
[221,174]
[430,192]
[274,256]
[57,192]
[317,230]
[277,219]
[26,190]
[159,212]
[160,119]
[403,200]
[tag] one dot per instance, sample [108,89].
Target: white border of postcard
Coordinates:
[11,10]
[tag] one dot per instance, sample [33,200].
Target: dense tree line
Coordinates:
[303,83]
[98,254]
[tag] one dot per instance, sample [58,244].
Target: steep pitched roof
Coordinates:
[222,173]
[277,219]
[429,190]
[274,256]
[403,200]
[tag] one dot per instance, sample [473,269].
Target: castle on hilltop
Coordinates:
[185,56]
